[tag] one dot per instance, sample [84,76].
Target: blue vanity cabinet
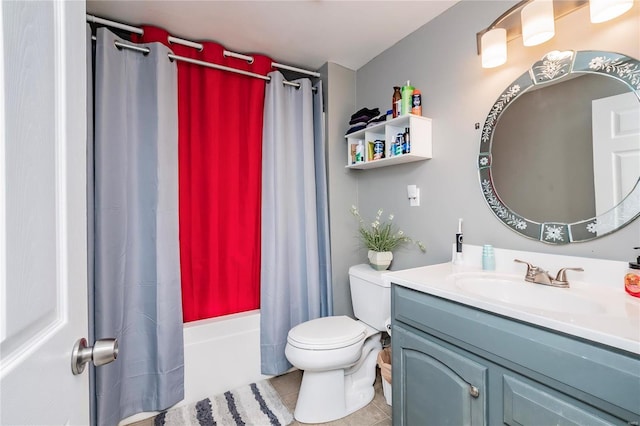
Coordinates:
[455,364]
[527,403]
[424,366]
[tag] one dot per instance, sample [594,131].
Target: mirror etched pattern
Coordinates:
[559,67]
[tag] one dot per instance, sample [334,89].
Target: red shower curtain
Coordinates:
[220,166]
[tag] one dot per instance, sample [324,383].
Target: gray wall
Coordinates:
[440,59]
[339,98]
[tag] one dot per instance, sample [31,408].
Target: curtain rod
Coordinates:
[195,45]
[173,57]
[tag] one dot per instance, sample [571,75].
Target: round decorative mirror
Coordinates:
[559,154]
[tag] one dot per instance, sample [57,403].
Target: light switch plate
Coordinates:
[413,192]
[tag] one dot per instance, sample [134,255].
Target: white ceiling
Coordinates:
[304,33]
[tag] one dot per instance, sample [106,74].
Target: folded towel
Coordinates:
[355,128]
[364,115]
[377,120]
[366,111]
[361,119]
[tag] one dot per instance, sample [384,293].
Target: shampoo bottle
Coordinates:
[407,98]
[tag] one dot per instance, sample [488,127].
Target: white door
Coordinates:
[43,254]
[616,148]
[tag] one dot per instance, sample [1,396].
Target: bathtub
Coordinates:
[220,354]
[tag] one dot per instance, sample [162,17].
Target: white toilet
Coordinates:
[338,354]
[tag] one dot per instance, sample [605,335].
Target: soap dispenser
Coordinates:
[632,277]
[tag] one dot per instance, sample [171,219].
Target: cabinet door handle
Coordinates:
[474,391]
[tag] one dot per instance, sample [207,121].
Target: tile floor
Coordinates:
[377,413]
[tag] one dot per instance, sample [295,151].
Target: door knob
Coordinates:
[102,352]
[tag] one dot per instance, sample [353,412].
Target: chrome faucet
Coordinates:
[537,275]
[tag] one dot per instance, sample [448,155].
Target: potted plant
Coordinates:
[381,238]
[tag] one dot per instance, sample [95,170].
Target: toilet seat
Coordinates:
[327,333]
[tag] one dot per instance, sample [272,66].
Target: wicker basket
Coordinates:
[384,362]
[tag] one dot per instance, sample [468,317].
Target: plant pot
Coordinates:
[380,260]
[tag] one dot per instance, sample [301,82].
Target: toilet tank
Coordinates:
[370,296]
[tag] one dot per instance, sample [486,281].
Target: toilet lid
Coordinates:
[327,333]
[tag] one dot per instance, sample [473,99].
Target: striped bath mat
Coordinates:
[257,404]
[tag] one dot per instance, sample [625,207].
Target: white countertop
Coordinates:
[598,310]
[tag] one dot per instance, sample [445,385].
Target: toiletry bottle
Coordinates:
[407,94]
[403,144]
[488,258]
[407,141]
[378,149]
[632,277]
[416,103]
[359,152]
[396,101]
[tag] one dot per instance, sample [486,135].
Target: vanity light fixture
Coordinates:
[604,10]
[538,25]
[534,21]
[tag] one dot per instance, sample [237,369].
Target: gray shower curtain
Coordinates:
[295,267]
[136,254]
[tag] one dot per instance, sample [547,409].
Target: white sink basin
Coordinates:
[515,291]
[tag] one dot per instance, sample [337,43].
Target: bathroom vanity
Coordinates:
[474,348]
